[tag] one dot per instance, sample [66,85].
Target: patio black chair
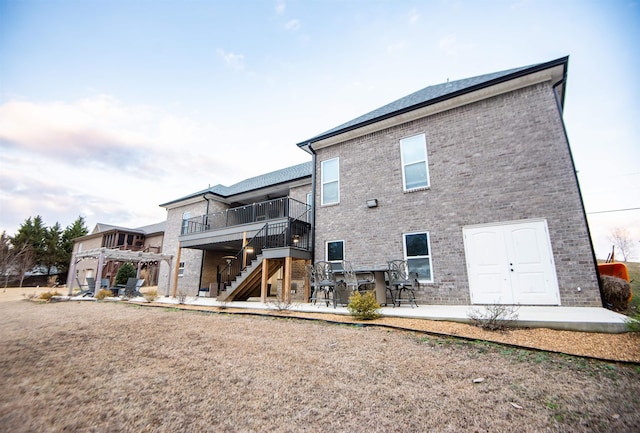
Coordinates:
[323,283]
[132,288]
[88,289]
[401,282]
[357,281]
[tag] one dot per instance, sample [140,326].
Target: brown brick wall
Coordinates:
[501,159]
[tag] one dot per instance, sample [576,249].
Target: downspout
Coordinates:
[575,173]
[313,203]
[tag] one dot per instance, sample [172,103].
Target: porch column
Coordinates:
[99,273]
[176,271]
[307,283]
[138,270]
[286,283]
[168,277]
[72,274]
[264,284]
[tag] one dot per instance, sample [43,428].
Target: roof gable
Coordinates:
[431,95]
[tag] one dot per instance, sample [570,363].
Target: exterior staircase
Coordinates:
[248,283]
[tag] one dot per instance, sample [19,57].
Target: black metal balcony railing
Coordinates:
[295,233]
[284,207]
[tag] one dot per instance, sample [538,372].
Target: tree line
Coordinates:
[36,247]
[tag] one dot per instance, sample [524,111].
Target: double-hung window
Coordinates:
[417,253]
[330,193]
[415,170]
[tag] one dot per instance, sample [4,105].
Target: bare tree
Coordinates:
[621,239]
[6,257]
[25,259]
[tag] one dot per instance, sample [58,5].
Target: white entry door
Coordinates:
[511,263]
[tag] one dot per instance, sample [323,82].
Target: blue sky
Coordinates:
[110,108]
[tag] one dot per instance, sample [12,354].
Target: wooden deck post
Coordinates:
[264,288]
[176,272]
[307,283]
[286,283]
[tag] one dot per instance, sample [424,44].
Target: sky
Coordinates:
[110,108]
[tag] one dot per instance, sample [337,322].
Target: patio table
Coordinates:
[379,281]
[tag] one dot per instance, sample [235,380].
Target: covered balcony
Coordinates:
[204,231]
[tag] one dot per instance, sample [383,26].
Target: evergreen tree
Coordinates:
[33,234]
[73,231]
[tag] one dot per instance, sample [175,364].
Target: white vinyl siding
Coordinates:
[330,189]
[415,171]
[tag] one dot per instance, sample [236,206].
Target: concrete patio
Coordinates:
[585,319]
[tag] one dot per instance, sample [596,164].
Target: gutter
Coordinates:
[560,104]
[313,202]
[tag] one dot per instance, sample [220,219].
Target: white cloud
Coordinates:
[293,25]
[450,45]
[396,47]
[233,60]
[281,6]
[414,16]
[98,156]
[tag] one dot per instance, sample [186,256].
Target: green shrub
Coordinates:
[125,272]
[104,293]
[363,307]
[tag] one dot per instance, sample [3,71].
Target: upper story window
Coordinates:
[415,171]
[185,222]
[330,183]
[417,253]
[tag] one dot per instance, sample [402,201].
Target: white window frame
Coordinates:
[428,257]
[324,181]
[185,222]
[424,161]
[180,269]
[326,250]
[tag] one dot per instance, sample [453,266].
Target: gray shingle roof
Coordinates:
[152,228]
[430,95]
[262,181]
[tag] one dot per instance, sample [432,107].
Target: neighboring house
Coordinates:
[471,181]
[221,232]
[147,239]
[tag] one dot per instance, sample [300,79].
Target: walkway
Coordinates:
[585,319]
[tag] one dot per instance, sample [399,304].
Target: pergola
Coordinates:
[105,254]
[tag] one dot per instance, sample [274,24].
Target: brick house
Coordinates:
[471,181]
[259,228]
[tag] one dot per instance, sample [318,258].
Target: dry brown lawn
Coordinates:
[107,367]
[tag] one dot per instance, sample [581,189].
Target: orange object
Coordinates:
[615,269]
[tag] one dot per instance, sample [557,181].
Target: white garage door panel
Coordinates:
[489,272]
[511,264]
